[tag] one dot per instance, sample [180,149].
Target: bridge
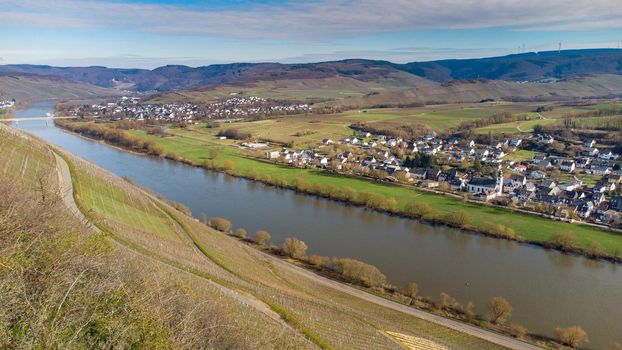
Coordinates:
[35,118]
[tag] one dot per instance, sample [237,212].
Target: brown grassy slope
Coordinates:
[35,87]
[400,88]
[63,285]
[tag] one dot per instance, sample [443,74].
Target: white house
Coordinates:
[589,143]
[568,166]
[485,186]
[273,154]
[608,156]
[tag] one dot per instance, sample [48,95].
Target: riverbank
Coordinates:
[389,198]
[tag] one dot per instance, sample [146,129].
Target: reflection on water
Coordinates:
[546,288]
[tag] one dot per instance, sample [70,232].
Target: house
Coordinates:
[608,155]
[419,173]
[519,167]
[568,186]
[601,170]
[498,154]
[589,143]
[458,184]
[544,139]
[537,175]
[604,187]
[592,152]
[273,154]
[586,209]
[432,174]
[486,186]
[615,203]
[583,163]
[548,183]
[515,142]
[517,180]
[522,194]
[568,166]
[614,178]
[327,141]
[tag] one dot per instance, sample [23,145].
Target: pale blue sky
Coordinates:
[151,33]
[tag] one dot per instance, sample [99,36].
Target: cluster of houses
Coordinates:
[527,184]
[252,106]
[232,108]
[6,104]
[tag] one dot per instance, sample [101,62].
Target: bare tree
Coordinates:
[499,309]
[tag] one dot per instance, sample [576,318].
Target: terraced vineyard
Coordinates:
[26,160]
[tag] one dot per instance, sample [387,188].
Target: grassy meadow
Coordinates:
[199,147]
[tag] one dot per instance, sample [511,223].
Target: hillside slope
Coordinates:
[25,87]
[522,67]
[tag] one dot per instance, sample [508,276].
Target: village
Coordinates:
[584,188]
[228,109]
[7,104]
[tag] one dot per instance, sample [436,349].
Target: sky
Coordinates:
[152,33]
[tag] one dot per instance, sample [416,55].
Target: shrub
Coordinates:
[294,248]
[359,272]
[240,233]
[518,331]
[459,218]
[572,336]
[319,261]
[392,204]
[229,165]
[262,237]
[499,309]
[446,301]
[220,224]
[411,290]
[564,240]
[595,249]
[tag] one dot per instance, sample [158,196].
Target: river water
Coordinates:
[547,289]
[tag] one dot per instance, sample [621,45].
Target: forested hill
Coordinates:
[514,68]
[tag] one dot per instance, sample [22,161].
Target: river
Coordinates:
[547,289]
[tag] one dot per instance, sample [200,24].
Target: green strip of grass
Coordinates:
[531,227]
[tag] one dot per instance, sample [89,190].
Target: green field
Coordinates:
[197,147]
[521,155]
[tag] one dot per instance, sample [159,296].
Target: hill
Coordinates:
[522,67]
[540,76]
[24,87]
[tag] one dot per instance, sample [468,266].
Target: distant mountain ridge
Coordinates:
[514,68]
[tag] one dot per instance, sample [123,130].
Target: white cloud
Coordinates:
[317,18]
